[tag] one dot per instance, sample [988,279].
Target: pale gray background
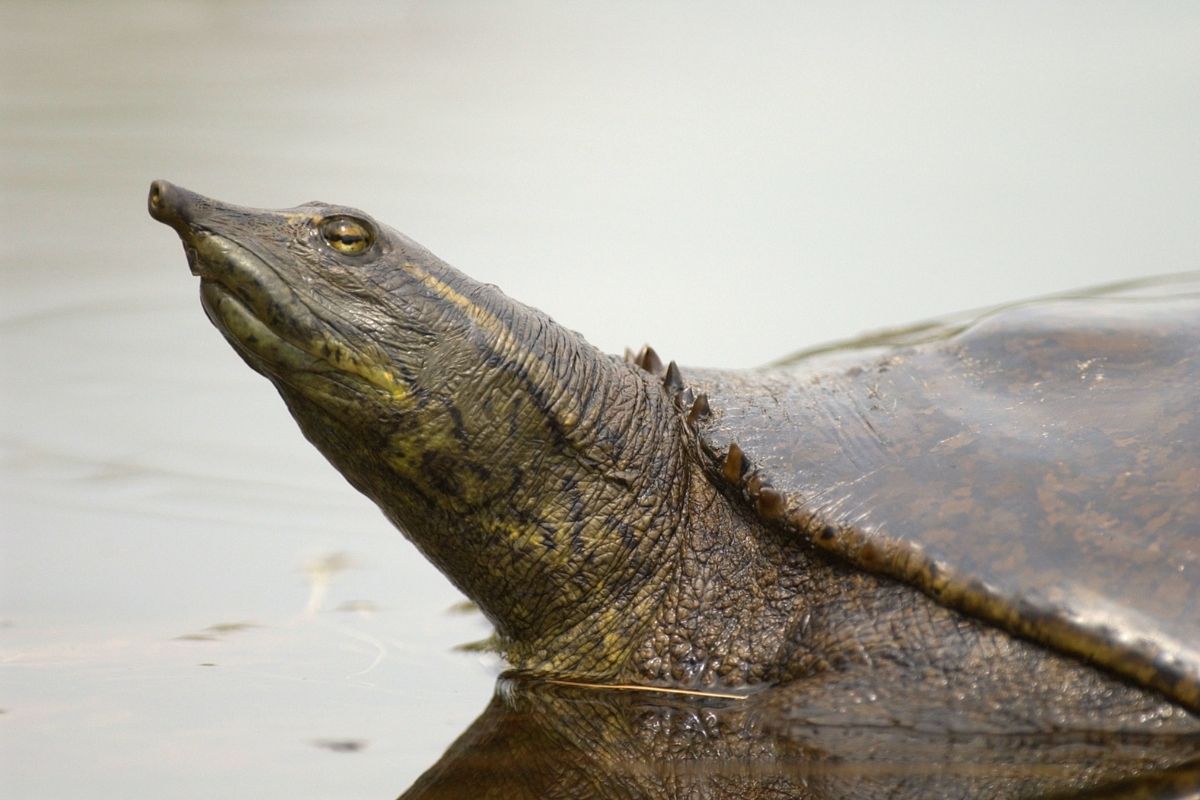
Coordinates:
[728,182]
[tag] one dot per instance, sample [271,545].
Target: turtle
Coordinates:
[986,523]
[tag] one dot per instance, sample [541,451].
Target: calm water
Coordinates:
[192,602]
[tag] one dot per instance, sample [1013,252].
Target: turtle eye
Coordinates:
[346,235]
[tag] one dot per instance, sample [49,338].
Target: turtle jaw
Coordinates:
[265,350]
[274,330]
[257,308]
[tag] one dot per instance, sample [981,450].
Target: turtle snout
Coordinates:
[173,205]
[177,207]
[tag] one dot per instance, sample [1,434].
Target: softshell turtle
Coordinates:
[991,523]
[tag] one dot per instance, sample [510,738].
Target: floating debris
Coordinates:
[214,632]
[341,745]
[363,607]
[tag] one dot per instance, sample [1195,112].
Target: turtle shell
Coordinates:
[1037,466]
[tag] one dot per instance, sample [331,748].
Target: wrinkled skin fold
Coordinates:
[988,527]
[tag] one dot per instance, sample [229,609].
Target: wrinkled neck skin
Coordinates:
[563,491]
[552,484]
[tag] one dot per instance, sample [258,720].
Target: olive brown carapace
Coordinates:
[990,523]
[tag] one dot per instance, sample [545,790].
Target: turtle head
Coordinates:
[521,461]
[321,299]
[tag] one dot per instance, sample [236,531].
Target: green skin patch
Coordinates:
[576,497]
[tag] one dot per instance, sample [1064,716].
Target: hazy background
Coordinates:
[729,184]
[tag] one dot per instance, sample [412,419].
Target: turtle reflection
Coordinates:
[538,740]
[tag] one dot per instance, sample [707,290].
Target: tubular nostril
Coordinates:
[164,203]
[175,206]
[157,201]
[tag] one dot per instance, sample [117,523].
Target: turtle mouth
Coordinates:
[266,350]
[254,308]
[267,321]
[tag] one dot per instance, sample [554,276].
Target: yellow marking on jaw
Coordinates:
[398,390]
[378,376]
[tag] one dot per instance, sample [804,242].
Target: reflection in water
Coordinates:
[320,571]
[550,741]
